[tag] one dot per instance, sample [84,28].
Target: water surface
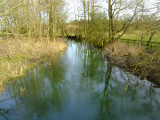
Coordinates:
[80,85]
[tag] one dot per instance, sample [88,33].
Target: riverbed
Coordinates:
[80,85]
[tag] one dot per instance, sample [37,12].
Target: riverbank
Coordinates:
[141,62]
[18,56]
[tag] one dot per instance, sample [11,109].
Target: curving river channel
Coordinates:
[80,85]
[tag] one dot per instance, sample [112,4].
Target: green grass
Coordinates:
[136,35]
[15,58]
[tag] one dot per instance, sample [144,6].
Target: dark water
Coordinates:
[80,85]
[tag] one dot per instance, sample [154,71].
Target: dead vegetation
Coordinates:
[141,62]
[18,56]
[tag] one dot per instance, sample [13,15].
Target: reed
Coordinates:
[18,56]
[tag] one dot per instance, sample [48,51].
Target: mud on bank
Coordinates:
[135,59]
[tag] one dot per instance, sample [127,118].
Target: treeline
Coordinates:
[107,21]
[97,21]
[32,18]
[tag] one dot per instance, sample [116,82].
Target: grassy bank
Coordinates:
[18,56]
[141,62]
[136,35]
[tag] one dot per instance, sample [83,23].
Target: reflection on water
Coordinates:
[80,85]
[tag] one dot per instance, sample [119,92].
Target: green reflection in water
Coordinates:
[80,85]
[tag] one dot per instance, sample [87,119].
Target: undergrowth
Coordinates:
[137,60]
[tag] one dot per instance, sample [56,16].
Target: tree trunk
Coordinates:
[84,12]
[111,27]
[142,35]
[50,22]
[150,38]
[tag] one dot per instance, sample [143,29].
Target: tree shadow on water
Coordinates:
[39,92]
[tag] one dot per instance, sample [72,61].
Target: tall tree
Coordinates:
[115,8]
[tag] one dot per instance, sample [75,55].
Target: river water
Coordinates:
[80,85]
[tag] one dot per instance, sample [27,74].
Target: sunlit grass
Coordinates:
[18,56]
[136,35]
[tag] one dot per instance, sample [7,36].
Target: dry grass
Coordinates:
[136,60]
[122,49]
[18,56]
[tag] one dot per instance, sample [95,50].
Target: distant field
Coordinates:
[136,35]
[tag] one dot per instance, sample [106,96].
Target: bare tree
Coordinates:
[115,8]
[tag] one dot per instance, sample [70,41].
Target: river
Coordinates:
[80,85]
